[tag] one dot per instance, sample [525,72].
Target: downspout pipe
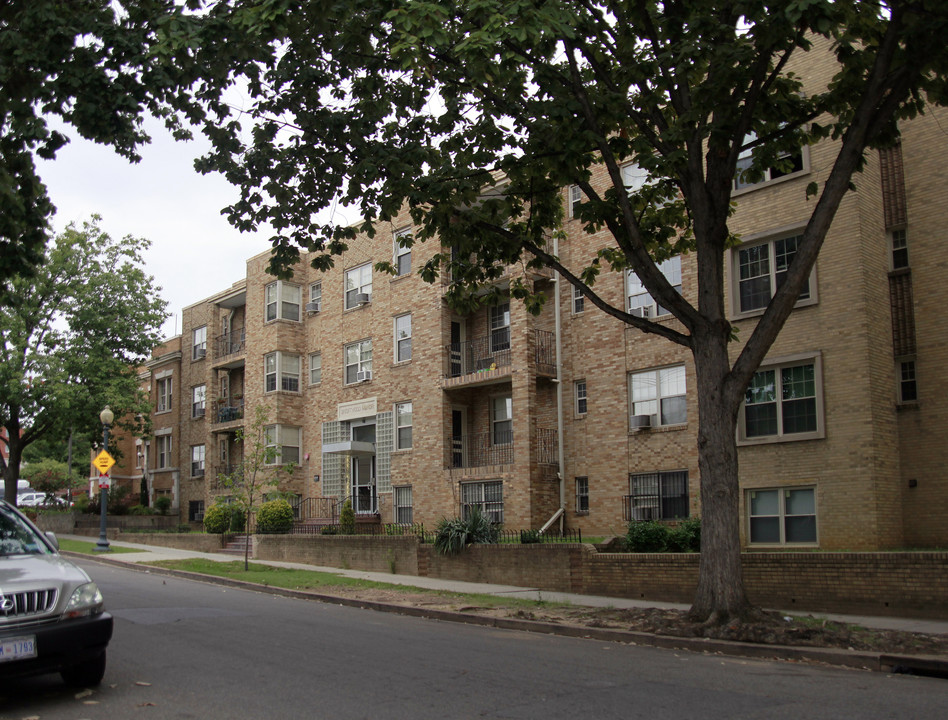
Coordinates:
[561,465]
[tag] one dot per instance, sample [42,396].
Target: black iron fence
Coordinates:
[427,535]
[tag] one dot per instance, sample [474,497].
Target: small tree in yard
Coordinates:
[260,469]
[476,115]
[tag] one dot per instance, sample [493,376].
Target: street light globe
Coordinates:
[106,416]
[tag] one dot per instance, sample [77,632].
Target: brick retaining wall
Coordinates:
[359,552]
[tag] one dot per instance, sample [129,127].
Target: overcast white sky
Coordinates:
[195,252]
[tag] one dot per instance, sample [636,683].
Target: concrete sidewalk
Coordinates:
[153,553]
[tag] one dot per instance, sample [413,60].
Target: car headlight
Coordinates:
[86,600]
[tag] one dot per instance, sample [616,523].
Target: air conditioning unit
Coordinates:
[363,375]
[362,298]
[200,353]
[640,421]
[642,311]
[313,307]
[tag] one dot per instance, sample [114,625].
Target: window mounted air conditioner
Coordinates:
[641,421]
[313,307]
[362,298]
[642,311]
[363,375]
[200,353]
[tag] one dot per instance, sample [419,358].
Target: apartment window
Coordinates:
[163,392]
[282,301]
[502,420]
[199,343]
[582,495]
[358,359]
[282,443]
[658,495]
[281,371]
[634,178]
[500,327]
[402,252]
[658,397]
[316,293]
[899,245]
[163,447]
[787,164]
[403,423]
[639,301]
[579,301]
[358,283]
[783,402]
[315,368]
[761,270]
[580,387]
[195,510]
[198,400]
[197,460]
[486,496]
[403,505]
[139,454]
[908,386]
[782,516]
[575,198]
[403,338]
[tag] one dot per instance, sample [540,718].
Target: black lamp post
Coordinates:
[106,416]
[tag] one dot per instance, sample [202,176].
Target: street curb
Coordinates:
[855,659]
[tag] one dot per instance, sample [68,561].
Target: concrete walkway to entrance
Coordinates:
[153,553]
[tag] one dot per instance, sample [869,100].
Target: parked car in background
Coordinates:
[31,499]
[51,613]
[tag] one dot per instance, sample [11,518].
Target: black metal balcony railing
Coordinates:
[480,354]
[228,410]
[481,449]
[545,352]
[546,447]
[230,343]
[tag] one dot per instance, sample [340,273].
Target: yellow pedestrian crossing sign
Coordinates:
[104,462]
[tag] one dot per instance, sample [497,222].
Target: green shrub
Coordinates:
[217,519]
[183,528]
[329,530]
[140,510]
[238,519]
[163,504]
[452,536]
[275,516]
[686,537]
[648,536]
[347,519]
[529,537]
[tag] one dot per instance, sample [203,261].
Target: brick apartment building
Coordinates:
[378,391]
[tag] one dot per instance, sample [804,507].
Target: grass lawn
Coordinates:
[88,548]
[292,579]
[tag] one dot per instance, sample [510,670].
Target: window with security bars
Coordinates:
[582,495]
[404,513]
[658,495]
[487,496]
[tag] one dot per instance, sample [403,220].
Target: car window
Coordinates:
[18,538]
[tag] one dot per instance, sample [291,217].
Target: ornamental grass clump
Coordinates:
[452,536]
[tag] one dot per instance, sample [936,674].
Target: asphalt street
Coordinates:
[186,649]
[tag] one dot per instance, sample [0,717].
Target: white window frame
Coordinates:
[163,447]
[198,457]
[634,177]
[499,327]
[906,370]
[360,355]
[316,292]
[581,397]
[199,342]
[358,280]
[744,160]
[163,394]
[582,495]
[639,302]
[280,303]
[281,372]
[782,516]
[402,338]
[198,401]
[403,426]
[574,196]
[776,366]
[315,368]
[898,249]
[403,508]
[809,295]
[501,420]
[579,301]
[401,254]
[670,383]
[283,441]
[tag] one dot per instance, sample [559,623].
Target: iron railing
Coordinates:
[230,343]
[427,535]
[482,449]
[545,352]
[480,354]
[228,410]
[547,453]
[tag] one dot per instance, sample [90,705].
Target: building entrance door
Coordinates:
[364,491]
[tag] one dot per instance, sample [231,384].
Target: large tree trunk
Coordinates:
[720,596]
[11,471]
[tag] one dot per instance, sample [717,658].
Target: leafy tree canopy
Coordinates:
[71,338]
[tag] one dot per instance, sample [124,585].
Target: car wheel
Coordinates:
[87,674]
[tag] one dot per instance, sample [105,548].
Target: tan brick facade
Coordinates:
[869,471]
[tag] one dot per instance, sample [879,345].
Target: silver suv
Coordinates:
[51,616]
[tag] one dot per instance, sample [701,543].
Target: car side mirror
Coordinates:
[51,536]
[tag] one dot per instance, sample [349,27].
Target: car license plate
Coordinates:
[19,648]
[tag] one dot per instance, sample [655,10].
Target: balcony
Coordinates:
[227,415]
[487,360]
[230,348]
[482,449]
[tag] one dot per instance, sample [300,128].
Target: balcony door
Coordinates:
[362,469]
